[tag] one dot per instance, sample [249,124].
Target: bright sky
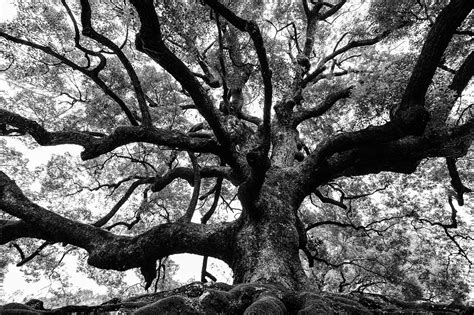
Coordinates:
[7,10]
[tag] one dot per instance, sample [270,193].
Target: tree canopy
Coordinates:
[304,143]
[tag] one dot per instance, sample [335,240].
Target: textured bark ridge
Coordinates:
[247,299]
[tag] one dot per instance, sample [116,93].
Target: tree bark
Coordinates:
[268,240]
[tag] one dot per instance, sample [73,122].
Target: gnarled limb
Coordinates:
[360,154]
[107,250]
[77,37]
[313,15]
[326,199]
[11,230]
[122,135]
[30,257]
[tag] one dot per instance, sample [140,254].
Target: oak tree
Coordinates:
[279,102]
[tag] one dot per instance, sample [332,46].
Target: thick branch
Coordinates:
[407,120]
[332,10]
[313,15]
[122,135]
[13,202]
[107,250]
[378,150]
[11,230]
[438,38]
[353,44]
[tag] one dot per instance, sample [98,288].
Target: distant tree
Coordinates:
[280,113]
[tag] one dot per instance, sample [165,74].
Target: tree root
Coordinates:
[247,299]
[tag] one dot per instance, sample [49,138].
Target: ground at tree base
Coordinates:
[221,298]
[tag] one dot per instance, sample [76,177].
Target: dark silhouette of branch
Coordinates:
[188,215]
[204,219]
[212,209]
[359,196]
[25,260]
[438,38]
[446,227]
[313,15]
[128,225]
[253,30]
[322,108]
[101,222]
[463,75]
[122,135]
[326,199]
[225,88]
[87,52]
[333,9]
[204,273]
[353,44]
[456,181]
[18,248]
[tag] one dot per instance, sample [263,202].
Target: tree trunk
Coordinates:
[267,244]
